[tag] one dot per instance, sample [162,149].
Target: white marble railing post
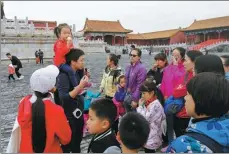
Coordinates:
[16,24]
[74,28]
[46,28]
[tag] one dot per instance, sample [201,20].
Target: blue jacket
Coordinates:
[120,94]
[88,98]
[227,75]
[215,128]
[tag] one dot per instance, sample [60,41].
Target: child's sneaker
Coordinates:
[163,150]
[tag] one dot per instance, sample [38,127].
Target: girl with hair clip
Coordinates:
[36,129]
[150,107]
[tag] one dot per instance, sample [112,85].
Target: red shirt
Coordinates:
[57,128]
[60,50]
[181,91]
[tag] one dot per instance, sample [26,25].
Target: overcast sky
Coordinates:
[139,16]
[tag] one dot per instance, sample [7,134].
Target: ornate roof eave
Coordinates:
[201,29]
[88,31]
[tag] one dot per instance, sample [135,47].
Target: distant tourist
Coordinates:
[17,65]
[41,56]
[11,71]
[225,60]
[37,57]
[135,74]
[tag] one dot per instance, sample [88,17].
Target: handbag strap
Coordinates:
[128,77]
[209,142]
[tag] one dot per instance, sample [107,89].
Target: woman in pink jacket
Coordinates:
[150,107]
[173,72]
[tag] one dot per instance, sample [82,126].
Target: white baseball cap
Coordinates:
[43,80]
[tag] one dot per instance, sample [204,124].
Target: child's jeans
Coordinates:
[72,75]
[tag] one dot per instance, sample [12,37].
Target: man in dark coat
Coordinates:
[41,56]
[17,65]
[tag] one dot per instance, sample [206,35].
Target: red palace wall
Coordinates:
[177,38]
[43,24]
[139,42]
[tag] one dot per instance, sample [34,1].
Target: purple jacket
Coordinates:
[135,78]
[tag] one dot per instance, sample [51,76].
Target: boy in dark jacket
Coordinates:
[102,114]
[133,132]
[17,65]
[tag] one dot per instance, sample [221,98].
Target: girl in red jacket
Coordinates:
[11,71]
[61,47]
[43,124]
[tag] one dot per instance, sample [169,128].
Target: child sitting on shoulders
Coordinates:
[133,132]
[11,71]
[102,114]
[61,47]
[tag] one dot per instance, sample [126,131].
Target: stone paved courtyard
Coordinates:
[12,92]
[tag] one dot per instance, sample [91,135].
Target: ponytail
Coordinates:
[38,123]
[56,32]
[160,96]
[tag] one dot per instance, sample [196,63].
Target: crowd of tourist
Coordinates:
[175,107]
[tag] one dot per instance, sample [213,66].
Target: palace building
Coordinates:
[165,37]
[112,32]
[204,30]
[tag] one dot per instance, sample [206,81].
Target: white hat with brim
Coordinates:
[43,80]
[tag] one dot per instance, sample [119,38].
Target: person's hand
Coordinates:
[134,104]
[53,90]
[101,91]
[15,66]
[141,102]
[83,81]
[175,60]
[87,73]
[128,90]
[154,67]
[69,41]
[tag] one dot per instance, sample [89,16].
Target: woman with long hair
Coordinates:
[43,124]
